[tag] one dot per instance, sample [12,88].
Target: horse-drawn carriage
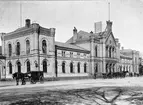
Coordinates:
[36,76]
[32,76]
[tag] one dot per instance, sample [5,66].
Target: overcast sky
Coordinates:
[127,17]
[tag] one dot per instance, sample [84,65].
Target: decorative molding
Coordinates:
[17,34]
[26,32]
[73,59]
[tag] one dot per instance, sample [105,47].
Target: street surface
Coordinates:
[127,91]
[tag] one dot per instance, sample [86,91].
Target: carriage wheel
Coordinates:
[41,79]
[32,81]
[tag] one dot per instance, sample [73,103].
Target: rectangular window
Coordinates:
[71,54]
[63,53]
[78,54]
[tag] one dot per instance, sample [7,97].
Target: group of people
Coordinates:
[122,74]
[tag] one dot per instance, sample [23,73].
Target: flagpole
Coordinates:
[20,14]
[109,11]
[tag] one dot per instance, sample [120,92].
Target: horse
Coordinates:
[21,76]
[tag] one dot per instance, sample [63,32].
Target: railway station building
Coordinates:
[33,48]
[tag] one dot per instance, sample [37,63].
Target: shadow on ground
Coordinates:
[92,96]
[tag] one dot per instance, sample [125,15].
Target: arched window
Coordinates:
[10,49]
[44,46]
[18,48]
[113,52]
[56,65]
[78,67]
[96,51]
[113,68]
[63,67]
[126,68]
[110,68]
[10,68]
[110,51]
[106,51]
[96,68]
[71,67]
[28,66]
[44,66]
[129,68]
[107,68]
[85,68]
[27,47]
[19,67]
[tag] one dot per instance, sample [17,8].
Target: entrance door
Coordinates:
[44,66]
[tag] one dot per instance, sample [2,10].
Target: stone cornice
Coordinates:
[126,57]
[17,34]
[74,59]
[27,56]
[35,28]
[45,31]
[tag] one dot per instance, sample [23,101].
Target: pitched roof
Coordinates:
[70,40]
[126,51]
[22,28]
[125,56]
[30,29]
[82,35]
[69,46]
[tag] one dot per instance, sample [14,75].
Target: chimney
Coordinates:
[119,45]
[109,25]
[74,35]
[91,32]
[27,23]
[98,27]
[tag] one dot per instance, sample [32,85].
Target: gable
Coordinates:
[110,40]
[82,35]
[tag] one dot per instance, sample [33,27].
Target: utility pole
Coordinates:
[56,66]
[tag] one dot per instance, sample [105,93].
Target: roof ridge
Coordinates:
[69,45]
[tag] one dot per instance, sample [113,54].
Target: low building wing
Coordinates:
[70,47]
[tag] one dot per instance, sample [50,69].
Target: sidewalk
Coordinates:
[129,81]
[7,83]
